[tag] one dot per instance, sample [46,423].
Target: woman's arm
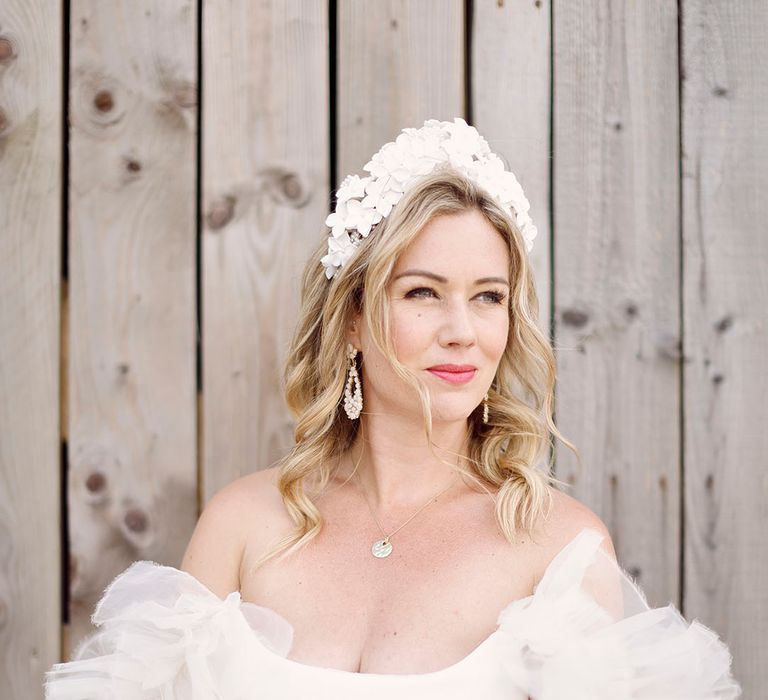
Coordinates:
[215,549]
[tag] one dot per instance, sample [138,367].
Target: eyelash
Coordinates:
[497,297]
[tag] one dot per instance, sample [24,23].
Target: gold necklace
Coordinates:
[383,548]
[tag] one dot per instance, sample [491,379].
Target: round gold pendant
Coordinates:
[381,549]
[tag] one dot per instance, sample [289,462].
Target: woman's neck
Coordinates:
[395,464]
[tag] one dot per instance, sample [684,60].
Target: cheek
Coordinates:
[411,332]
[496,338]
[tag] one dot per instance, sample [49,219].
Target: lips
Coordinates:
[453,368]
[454,374]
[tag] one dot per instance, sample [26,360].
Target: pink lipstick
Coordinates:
[455,374]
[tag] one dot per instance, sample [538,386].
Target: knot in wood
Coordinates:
[103,101]
[221,212]
[724,324]
[185,95]
[136,520]
[7,50]
[291,186]
[96,482]
[574,317]
[284,186]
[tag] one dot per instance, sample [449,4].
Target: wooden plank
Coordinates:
[399,63]
[725,114]
[132,479]
[265,192]
[617,275]
[510,84]
[30,290]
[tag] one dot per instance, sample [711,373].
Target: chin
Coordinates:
[451,413]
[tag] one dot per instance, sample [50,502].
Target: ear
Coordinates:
[353,331]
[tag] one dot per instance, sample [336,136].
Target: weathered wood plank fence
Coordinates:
[165,166]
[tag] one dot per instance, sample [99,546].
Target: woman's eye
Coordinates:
[494,297]
[420,292]
[424,292]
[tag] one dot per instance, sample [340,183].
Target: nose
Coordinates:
[457,327]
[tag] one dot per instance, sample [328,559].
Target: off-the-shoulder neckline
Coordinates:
[311,668]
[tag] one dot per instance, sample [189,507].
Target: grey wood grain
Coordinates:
[30,316]
[265,199]
[725,281]
[131,334]
[617,275]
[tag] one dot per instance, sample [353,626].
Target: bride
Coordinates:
[414,541]
[441,295]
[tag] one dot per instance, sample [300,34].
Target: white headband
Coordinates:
[362,202]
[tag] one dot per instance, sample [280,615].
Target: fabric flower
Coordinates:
[382,195]
[362,202]
[337,220]
[353,186]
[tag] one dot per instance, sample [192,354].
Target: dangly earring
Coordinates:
[485,408]
[353,392]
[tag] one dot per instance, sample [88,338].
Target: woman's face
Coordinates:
[449,320]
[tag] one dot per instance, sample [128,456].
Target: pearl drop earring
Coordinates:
[353,391]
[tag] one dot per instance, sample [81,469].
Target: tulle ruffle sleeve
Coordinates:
[162,635]
[587,633]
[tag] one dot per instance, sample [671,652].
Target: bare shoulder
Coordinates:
[262,498]
[567,518]
[229,518]
[260,487]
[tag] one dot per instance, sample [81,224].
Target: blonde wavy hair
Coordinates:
[503,453]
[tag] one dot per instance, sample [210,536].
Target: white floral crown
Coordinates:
[362,202]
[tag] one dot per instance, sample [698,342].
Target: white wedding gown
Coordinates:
[586,633]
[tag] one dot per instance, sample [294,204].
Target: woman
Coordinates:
[410,544]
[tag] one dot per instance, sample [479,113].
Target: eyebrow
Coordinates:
[443,280]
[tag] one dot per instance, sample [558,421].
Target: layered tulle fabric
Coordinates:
[586,632]
[163,635]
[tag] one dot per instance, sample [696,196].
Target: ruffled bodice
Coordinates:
[586,632]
